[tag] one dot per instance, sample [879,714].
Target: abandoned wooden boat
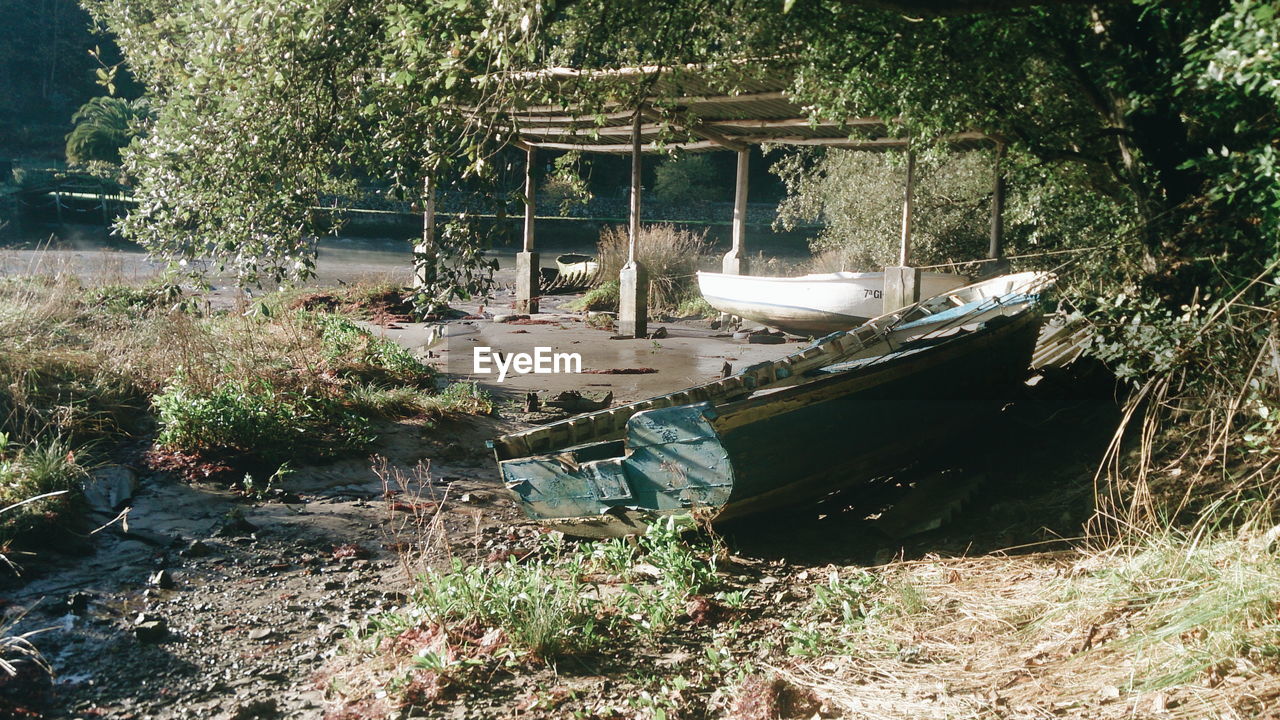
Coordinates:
[578,269]
[573,273]
[570,263]
[840,412]
[810,304]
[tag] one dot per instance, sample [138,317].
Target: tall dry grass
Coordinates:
[669,254]
[1176,624]
[84,364]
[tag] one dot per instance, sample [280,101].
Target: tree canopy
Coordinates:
[264,111]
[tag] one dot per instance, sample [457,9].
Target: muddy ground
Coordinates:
[204,603]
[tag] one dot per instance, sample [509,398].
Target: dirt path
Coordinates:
[210,606]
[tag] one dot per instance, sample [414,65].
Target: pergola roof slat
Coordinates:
[728,122]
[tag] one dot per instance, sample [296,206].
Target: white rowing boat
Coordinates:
[573,264]
[810,304]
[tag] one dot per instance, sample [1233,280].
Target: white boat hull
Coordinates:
[810,304]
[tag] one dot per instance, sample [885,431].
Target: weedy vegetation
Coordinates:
[671,255]
[557,601]
[1158,622]
[84,366]
[39,483]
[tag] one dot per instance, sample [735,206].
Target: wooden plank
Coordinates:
[588,130]
[904,250]
[795,122]
[673,102]
[996,247]
[626,147]
[633,236]
[740,202]
[694,126]
[574,127]
[530,198]
[696,145]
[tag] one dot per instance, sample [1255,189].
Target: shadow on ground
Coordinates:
[1018,482]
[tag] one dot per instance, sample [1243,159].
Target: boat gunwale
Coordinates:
[882,369]
[833,277]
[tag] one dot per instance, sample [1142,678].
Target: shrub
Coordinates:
[669,254]
[122,298]
[601,297]
[858,197]
[359,351]
[686,178]
[103,127]
[696,306]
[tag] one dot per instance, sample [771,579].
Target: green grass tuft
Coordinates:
[254,418]
[603,297]
[357,351]
[696,306]
[38,468]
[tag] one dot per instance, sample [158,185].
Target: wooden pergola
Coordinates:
[681,109]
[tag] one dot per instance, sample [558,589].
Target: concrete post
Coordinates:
[901,287]
[528,273]
[528,269]
[633,300]
[633,281]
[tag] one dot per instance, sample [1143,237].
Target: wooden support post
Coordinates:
[901,288]
[902,282]
[735,261]
[904,254]
[527,265]
[633,281]
[425,252]
[637,164]
[530,198]
[996,249]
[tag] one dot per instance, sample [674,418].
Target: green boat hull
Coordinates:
[847,424]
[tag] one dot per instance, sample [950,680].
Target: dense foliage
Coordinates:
[857,197]
[49,55]
[103,127]
[1119,99]
[687,178]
